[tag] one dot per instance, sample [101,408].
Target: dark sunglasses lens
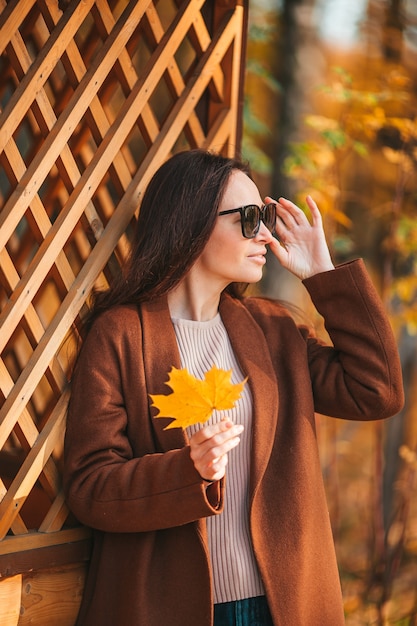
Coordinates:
[270,216]
[250,224]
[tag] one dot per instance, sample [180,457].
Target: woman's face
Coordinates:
[229,257]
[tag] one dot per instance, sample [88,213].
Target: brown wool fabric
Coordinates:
[136,485]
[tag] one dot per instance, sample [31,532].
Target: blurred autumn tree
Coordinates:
[342,126]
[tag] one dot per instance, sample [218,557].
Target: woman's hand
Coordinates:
[302,247]
[209,448]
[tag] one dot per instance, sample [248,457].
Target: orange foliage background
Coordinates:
[341,123]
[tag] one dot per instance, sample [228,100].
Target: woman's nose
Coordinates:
[263,234]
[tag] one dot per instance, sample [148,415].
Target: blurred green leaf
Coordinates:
[259,161]
[253,124]
[261,34]
[335,138]
[262,72]
[360,148]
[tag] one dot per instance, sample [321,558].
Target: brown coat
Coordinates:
[136,484]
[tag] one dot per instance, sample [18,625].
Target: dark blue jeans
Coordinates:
[250,612]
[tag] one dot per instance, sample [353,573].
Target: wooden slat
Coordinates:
[33,466]
[76,70]
[43,222]
[219,130]
[68,120]
[10,592]
[93,174]
[175,80]
[11,17]
[201,39]
[46,118]
[195,87]
[26,427]
[44,557]
[236,76]
[56,516]
[11,546]
[40,69]
[125,70]
[18,526]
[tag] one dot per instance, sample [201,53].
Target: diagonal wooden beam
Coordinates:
[55,333]
[11,16]
[41,68]
[93,174]
[33,466]
[59,135]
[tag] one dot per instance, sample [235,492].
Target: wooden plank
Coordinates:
[24,543]
[234,82]
[44,558]
[10,593]
[240,74]
[53,596]
[233,63]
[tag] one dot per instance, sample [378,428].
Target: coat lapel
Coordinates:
[251,350]
[249,344]
[160,352]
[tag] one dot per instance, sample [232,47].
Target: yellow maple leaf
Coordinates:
[192,400]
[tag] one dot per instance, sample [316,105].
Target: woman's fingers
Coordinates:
[210,445]
[289,212]
[207,432]
[315,212]
[304,250]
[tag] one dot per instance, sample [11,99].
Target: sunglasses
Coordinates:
[251,216]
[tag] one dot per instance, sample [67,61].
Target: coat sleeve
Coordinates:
[359,377]
[114,478]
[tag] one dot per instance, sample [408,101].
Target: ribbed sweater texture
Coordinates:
[235,573]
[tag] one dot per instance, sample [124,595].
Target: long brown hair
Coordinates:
[176,219]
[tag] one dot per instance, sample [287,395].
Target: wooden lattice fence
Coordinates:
[94,95]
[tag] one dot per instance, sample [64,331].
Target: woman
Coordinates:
[227,522]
